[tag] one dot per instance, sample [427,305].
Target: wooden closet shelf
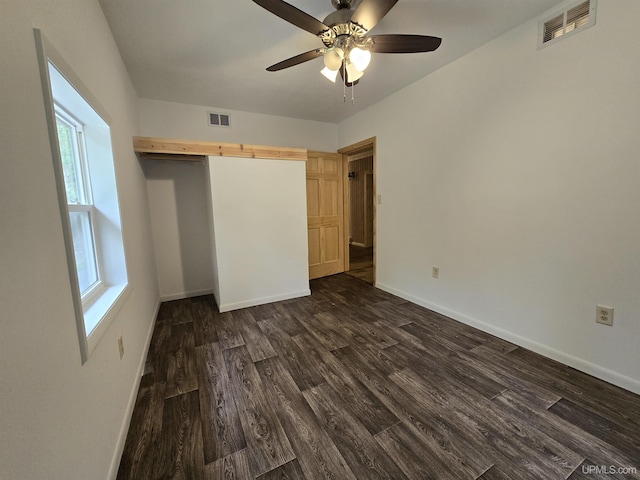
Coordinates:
[190,150]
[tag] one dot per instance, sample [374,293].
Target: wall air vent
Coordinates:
[577,17]
[219,119]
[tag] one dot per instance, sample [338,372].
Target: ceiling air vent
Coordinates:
[219,119]
[577,17]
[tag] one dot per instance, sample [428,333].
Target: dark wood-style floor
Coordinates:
[354,383]
[361,263]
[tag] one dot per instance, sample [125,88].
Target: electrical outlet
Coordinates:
[121,346]
[604,315]
[435,272]
[379,199]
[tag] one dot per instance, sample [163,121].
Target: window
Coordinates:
[561,24]
[83,162]
[79,203]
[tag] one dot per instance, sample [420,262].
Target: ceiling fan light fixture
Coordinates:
[329,74]
[333,58]
[360,58]
[344,33]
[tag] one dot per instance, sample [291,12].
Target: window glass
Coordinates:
[84,249]
[68,141]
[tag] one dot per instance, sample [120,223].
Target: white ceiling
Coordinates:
[214,52]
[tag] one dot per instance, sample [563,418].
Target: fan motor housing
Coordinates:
[342,4]
[340,24]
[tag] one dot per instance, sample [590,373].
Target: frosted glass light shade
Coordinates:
[353,73]
[333,58]
[330,74]
[360,58]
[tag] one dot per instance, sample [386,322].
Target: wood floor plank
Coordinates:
[452,340]
[255,340]
[358,400]
[452,426]
[415,458]
[528,448]
[144,432]
[362,453]
[231,467]
[583,389]
[178,453]
[181,337]
[496,365]
[323,327]
[368,334]
[452,371]
[304,373]
[204,325]
[445,440]
[494,473]
[556,427]
[624,438]
[262,312]
[221,428]
[317,454]
[432,347]
[496,344]
[228,331]
[388,313]
[176,312]
[287,321]
[370,358]
[267,441]
[181,372]
[159,340]
[288,471]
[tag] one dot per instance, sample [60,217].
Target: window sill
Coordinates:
[101,313]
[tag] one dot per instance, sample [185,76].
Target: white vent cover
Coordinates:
[219,119]
[577,17]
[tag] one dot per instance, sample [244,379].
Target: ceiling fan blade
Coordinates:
[293,15]
[404,43]
[298,59]
[370,12]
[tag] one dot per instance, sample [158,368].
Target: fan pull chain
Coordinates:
[344,83]
[353,100]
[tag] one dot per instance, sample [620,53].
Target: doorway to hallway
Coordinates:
[360,205]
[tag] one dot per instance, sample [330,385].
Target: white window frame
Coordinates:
[85,203]
[96,309]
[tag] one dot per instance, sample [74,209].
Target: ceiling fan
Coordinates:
[347,47]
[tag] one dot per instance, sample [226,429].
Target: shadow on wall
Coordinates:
[177,198]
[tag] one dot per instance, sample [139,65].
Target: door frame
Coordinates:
[362,146]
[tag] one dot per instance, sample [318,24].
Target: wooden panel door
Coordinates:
[325,214]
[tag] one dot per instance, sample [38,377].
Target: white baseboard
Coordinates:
[252,302]
[180,295]
[126,422]
[581,364]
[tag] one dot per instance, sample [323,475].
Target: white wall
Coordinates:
[179,120]
[178,204]
[260,230]
[60,419]
[176,190]
[516,172]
